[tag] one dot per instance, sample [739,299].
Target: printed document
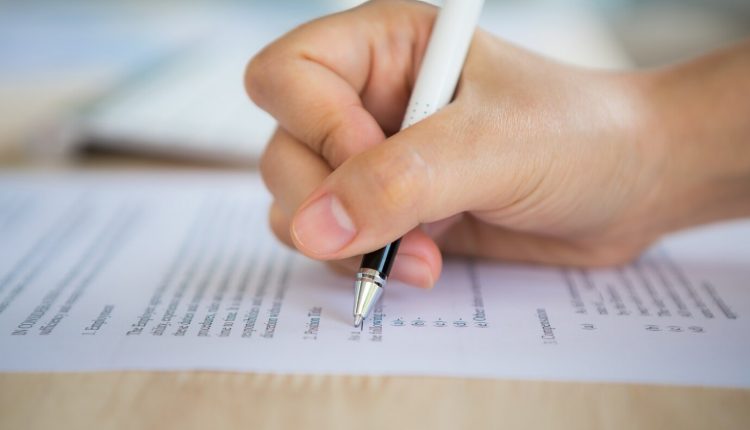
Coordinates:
[175,271]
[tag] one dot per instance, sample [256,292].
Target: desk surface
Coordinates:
[234,400]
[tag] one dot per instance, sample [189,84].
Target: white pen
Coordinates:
[436,82]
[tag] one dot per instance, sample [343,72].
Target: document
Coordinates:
[175,271]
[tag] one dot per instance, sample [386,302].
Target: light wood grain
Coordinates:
[203,400]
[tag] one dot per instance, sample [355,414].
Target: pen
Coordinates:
[433,89]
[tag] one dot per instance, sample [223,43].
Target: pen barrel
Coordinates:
[443,59]
[436,82]
[382,259]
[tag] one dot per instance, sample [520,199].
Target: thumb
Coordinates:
[425,173]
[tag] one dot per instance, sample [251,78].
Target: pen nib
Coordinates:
[358,320]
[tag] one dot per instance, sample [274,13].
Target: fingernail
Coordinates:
[323,227]
[413,271]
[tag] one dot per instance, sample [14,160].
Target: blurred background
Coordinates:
[163,79]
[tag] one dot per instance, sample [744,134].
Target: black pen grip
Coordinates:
[382,259]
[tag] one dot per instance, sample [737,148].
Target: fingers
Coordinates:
[419,262]
[279,81]
[473,237]
[428,172]
[291,171]
[279,223]
[324,81]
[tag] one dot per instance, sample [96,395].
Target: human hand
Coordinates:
[533,161]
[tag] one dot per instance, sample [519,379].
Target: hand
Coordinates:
[533,161]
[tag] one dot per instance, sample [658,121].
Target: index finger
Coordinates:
[334,82]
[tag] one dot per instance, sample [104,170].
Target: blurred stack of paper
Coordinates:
[192,104]
[192,107]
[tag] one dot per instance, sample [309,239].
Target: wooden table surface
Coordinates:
[201,400]
[215,400]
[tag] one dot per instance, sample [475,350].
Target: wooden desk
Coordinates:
[200,400]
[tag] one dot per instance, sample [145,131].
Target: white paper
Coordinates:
[179,271]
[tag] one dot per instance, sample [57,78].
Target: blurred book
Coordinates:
[192,105]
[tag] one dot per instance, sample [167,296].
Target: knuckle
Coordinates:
[279,226]
[268,166]
[328,146]
[400,180]
[257,73]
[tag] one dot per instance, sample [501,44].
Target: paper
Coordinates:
[178,271]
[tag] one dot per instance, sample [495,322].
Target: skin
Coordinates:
[533,161]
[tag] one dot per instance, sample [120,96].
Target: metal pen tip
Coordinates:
[367,290]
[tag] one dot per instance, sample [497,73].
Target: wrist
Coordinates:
[700,122]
